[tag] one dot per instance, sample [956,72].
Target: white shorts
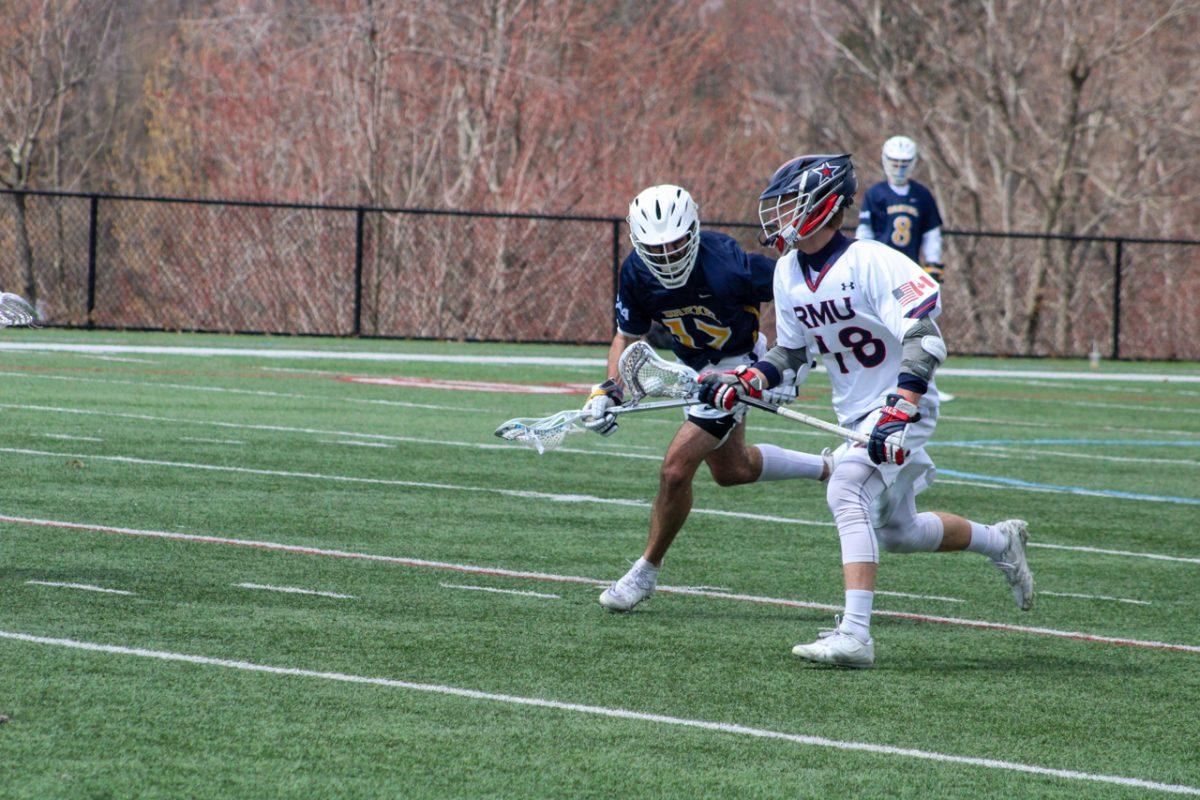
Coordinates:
[905,480]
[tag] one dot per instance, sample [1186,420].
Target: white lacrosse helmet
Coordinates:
[899,159]
[664,224]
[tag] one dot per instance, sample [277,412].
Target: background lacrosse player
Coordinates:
[902,213]
[869,311]
[706,291]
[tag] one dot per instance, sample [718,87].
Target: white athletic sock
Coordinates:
[644,566]
[780,465]
[857,619]
[986,540]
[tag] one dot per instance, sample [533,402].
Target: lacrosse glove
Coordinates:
[935,271]
[604,396]
[887,437]
[723,390]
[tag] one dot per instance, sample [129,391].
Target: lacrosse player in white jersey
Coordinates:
[706,290]
[869,312]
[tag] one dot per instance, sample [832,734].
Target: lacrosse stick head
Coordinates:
[646,374]
[542,435]
[15,310]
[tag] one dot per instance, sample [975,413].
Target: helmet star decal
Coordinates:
[826,170]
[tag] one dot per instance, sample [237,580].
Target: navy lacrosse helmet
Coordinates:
[803,195]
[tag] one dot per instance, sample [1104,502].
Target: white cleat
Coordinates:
[1012,561]
[838,648]
[633,587]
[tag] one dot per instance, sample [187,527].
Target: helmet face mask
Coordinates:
[664,226]
[899,159]
[805,193]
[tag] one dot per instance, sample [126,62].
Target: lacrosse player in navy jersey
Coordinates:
[901,212]
[870,312]
[706,291]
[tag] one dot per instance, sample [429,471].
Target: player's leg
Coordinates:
[1003,543]
[670,510]
[906,531]
[853,488]
[735,463]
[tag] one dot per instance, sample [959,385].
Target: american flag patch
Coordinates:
[914,290]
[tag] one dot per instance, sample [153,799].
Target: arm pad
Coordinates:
[778,359]
[923,352]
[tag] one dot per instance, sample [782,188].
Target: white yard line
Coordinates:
[320,431]
[1105,552]
[1167,391]
[498,591]
[87,587]
[1030,454]
[68,437]
[292,590]
[209,441]
[1098,597]
[544,361]
[922,596]
[576,579]
[522,493]
[1001,483]
[726,728]
[357,444]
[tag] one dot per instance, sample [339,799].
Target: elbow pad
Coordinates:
[923,352]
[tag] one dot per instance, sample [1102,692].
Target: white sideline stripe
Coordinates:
[556,578]
[1105,552]
[357,444]
[209,441]
[1097,597]
[194,387]
[87,587]
[118,358]
[524,493]
[69,438]
[612,713]
[292,590]
[922,596]
[542,361]
[497,591]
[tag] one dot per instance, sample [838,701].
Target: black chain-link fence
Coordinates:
[112,262]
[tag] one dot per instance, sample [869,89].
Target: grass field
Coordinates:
[465,654]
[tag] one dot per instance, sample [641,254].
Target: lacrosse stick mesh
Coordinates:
[14,310]
[542,435]
[646,374]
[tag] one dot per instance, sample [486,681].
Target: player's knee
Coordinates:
[892,540]
[732,474]
[676,475]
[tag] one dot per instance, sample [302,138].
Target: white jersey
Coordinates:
[853,315]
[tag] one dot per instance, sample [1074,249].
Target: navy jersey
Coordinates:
[714,315]
[900,220]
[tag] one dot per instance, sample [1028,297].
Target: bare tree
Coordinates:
[52,51]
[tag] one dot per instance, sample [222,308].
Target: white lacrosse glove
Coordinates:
[604,397]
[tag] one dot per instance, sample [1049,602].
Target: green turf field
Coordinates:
[418,682]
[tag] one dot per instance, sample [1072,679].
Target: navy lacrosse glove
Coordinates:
[724,390]
[604,397]
[887,437]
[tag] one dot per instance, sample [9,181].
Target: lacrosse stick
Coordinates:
[548,433]
[646,374]
[14,311]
